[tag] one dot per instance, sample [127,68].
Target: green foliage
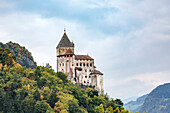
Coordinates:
[6,58]
[74,107]
[41,90]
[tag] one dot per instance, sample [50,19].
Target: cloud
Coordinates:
[129,40]
[136,85]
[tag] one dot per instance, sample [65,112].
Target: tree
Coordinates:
[109,110]
[59,107]
[6,58]
[52,99]
[48,66]
[73,107]
[99,109]
[41,107]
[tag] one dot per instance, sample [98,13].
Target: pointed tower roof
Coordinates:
[65,42]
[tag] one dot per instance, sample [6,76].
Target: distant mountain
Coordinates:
[158,101]
[135,106]
[23,56]
[125,101]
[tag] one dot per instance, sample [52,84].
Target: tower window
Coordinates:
[90,64]
[83,64]
[84,81]
[63,64]
[85,70]
[77,64]
[80,64]
[87,65]
[89,76]
[85,76]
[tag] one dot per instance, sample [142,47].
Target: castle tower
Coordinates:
[65,53]
[64,45]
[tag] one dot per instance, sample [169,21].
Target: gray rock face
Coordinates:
[28,62]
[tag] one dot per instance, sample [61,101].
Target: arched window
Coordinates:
[90,64]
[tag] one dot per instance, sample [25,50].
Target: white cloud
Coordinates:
[136,85]
[134,58]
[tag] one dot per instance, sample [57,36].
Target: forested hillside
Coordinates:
[158,101]
[41,90]
[23,56]
[135,106]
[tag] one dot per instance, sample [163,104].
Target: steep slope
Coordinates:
[135,106]
[23,56]
[158,101]
[41,90]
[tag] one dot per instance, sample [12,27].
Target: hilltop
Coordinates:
[41,90]
[23,56]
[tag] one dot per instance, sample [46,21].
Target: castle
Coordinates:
[80,68]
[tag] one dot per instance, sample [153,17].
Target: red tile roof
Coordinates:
[83,57]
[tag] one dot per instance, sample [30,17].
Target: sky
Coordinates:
[129,39]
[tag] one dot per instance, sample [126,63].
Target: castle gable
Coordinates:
[69,52]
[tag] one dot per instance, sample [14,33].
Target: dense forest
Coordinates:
[41,90]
